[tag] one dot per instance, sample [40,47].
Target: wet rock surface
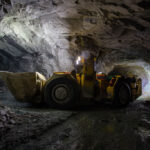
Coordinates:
[21,127]
[84,128]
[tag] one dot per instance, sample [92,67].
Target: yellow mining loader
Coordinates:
[66,89]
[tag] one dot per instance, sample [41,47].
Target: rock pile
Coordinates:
[7,119]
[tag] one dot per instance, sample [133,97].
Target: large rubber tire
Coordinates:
[122,94]
[62,93]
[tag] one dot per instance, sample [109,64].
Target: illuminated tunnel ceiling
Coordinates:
[47,35]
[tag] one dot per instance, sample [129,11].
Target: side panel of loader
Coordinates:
[134,84]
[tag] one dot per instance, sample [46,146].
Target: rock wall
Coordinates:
[47,35]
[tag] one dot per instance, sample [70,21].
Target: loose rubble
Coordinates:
[96,127]
[7,119]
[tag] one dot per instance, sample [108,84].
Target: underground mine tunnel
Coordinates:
[74,74]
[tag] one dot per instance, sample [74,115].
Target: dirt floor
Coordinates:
[98,127]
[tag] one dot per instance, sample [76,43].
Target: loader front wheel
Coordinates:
[61,93]
[122,94]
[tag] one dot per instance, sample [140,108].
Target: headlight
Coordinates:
[78,61]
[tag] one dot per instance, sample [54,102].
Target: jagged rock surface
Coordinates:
[7,119]
[46,36]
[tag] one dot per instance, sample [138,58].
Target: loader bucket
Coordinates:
[25,87]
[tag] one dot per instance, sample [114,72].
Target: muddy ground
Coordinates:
[96,127]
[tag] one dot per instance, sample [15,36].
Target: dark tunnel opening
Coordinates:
[137,68]
[126,71]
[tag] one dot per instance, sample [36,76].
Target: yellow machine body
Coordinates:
[97,86]
[25,87]
[29,87]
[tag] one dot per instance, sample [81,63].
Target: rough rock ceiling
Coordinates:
[47,35]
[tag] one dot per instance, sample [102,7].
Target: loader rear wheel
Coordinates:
[122,94]
[61,93]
